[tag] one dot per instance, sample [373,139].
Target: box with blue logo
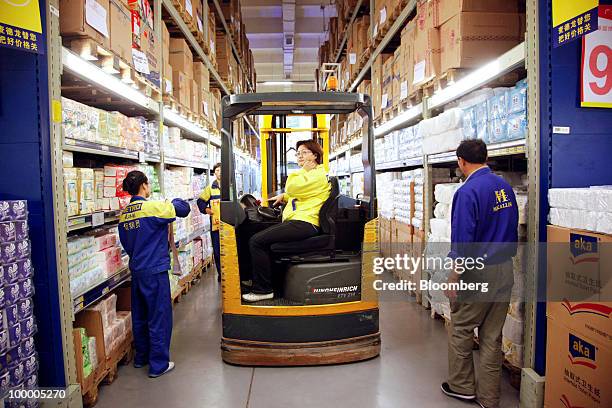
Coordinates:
[578,369]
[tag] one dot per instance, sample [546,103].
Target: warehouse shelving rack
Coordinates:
[50,225]
[525,56]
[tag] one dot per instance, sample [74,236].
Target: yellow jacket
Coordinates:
[305,193]
[211,197]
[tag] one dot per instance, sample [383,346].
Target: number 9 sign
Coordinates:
[596,89]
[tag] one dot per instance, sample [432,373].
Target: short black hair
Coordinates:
[133,181]
[473,151]
[216,166]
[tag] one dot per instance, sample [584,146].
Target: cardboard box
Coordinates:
[201,75]
[377,82]
[387,83]
[165,42]
[167,82]
[180,88]
[397,74]
[579,266]
[469,40]
[578,369]
[450,8]
[93,22]
[426,60]
[590,319]
[407,64]
[151,46]
[196,106]
[181,58]
[120,31]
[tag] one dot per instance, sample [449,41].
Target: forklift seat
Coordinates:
[322,246]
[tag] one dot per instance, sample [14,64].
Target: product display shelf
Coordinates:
[393,31]
[79,222]
[95,293]
[83,146]
[401,164]
[185,163]
[495,150]
[182,242]
[352,145]
[241,64]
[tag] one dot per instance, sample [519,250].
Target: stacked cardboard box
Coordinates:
[578,353]
[357,43]
[378,82]
[76,20]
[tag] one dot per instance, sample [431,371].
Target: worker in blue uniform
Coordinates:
[484,228]
[143,231]
[209,202]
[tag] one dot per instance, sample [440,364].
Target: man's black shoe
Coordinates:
[446,389]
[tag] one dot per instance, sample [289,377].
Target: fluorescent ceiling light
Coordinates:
[400,120]
[93,74]
[277,83]
[177,120]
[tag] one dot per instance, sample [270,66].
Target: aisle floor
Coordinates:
[408,373]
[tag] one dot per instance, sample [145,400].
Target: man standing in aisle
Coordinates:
[209,203]
[484,225]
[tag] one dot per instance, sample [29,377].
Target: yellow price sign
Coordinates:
[565,10]
[21,13]
[572,20]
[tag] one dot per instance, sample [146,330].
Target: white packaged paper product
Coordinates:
[513,352]
[603,198]
[440,227]
[443,193]
[469,123]
[517,99]
[521,201]
[448,120]
[93,354]
[513,329]
[516,126]
[443,142]
[604,222]
[442,211]
[497,105]
[418,206]
[416,223]
[476,97]
[498,129]
[579,219]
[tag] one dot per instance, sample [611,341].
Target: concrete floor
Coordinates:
[408,373]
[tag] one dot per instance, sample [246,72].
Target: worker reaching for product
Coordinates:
[209,203]
[484,224]
[305,192]
[143,231]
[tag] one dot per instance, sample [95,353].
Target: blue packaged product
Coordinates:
[481,112]
[12,314]
[497,130]
[12,293]
[4,359]
[17,375]
[8,252]
[2,296]
[13,210]
[3,341]
[24,249]
[5,383]
[31,365]
[517,126]
[10,273]
[469,123]
[25,269]
[482,131]
[8,231]
[14,335]
[28,327]
[26,288]
[31,382]
[497,105]
[25,307]
[22,231]
[27,347]
[517,100]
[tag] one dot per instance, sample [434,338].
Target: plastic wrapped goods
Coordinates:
[442,210]
[443,193]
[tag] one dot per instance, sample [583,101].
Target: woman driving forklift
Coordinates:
[305,192]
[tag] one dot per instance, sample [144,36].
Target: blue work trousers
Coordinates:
[152,320]
[216,244]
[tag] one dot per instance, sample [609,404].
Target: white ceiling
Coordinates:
[264,28]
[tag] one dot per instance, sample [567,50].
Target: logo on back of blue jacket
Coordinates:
[583,248]
[581,352]
[501,200]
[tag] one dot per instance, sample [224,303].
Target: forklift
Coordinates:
[325,309]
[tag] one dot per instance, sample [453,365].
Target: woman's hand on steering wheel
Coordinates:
[278,200]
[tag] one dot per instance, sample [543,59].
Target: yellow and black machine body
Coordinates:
[325,310]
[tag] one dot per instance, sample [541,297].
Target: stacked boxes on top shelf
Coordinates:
[18,358]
